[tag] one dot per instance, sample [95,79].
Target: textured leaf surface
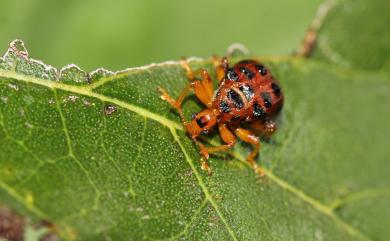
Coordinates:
[134,174]
[354,34]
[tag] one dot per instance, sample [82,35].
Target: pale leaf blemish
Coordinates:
[4,99]
[22,112]
[13,86]
[139,209]
[71,98]
[87,103]
[130,208]
[28,125]
[318,235]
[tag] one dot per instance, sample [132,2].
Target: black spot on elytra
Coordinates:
[201,122]
[249,75]
[235,98]
[224,107]
[267,99]
[258,112]
[248,91]
[231,75]
[262,70]
[276,89]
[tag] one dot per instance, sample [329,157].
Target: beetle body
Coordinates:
[247,94]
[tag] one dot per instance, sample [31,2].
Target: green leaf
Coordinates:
[102,157]
[354,34]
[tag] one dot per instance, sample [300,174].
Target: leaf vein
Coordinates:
[113,161]
[202,184]
[327,211]
[70,149]
[29,205]
[188,225]
[356,196]
[140,146]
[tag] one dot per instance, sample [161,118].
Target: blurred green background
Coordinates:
[120,34]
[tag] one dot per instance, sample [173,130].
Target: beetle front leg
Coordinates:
[221,65]
[249,137]
[266,128]
[204,88]
[176,103]
[227,137]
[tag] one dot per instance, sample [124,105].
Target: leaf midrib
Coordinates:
[173,126]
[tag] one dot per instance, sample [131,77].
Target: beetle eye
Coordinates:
[201,122]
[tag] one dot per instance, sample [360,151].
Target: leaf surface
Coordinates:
[354,34]
[101,156]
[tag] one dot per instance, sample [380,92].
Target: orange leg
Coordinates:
[266,128]
[204,88]
[250,138]
[227,137]
[176,103]
[221,65]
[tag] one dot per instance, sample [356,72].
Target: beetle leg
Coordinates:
[227,137]
[176,103]
[204,88]
[251,138]
[266,128]
[221,65]
[190,74]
